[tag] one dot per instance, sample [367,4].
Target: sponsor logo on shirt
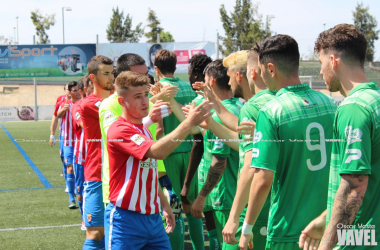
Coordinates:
[109,118]
[97,104]
[138,139]
[77,115]
[149,163]
[353,135]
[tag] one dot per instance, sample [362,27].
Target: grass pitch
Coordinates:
[31,215]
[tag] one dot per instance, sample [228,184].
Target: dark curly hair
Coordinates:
[346,40]
[198,63]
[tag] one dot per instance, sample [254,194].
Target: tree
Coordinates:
[367,24]
[243,27]
[166,37]
[42,23]
[117,32]
[155,28]
[6,40]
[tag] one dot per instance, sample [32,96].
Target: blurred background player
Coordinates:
[220,162]
[68,140]
[79,149]
[176,163]
[135,220]
[53,128]
[100,72]
[353,194]
[296,113]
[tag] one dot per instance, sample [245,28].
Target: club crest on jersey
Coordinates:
[109,118]
[257,137]
[305,100]
[77,115]
[138,139]
[97,104]
[89,217]
[353,135]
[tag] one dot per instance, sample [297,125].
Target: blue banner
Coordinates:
[45,60]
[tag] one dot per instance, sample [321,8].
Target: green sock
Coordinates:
[213,238]
[196,232]
[177,237]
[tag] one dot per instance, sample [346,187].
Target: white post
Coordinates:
[158,38]
[97,42]
[35,100]
[217,44]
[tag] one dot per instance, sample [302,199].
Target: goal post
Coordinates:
[308,80]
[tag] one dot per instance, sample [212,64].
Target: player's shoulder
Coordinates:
[91,101]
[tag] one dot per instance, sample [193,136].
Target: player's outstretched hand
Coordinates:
[160,110]
[197,207]
[246,128]
[246,240]
[167,93]
[198,85]
[229,231]
[196,115]
[170,220]
[312,234]
[155,89]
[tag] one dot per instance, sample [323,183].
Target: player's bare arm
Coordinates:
[167,212]
[228,119]
[195,159]
[260,188]
[161,149]
[312,234]
[63,110]
[240,200]
[53,128]
[218,165]
[177,110]
[348,199]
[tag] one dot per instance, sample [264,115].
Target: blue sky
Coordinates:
[194,20]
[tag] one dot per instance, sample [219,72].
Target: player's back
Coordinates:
[300,120]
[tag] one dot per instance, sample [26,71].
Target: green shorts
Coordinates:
[176,167]
[281,245]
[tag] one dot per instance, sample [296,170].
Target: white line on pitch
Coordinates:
[46,227]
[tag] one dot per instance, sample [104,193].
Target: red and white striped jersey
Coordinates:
[133,178]
[80,145]
[68,126]
[57,107]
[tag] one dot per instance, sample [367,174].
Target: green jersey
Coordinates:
[290,141]
[185,95]
[109,111]
[356,150]
[223,194]
[249,112]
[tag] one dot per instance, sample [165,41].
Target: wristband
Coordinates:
[164,113]
[147,121]
[201,129]
[247,229]
[52,137]
[164,107]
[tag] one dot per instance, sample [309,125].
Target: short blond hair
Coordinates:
[236,61]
